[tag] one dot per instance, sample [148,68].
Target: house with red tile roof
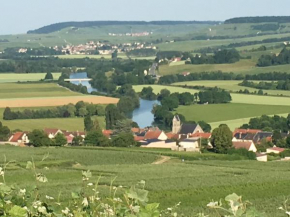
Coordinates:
[155,134]
[201,135]
[18,138]
[107,133]
[51,133]
[275,150]
[249,145]
[172,135]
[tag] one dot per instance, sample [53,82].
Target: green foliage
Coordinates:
[124,140]
[221,139]
[4,132]
[48,76]
[214,96]
[148,94]
[170,103]
[242,152]
[112,116]
[220,57]
[88,123]
[269,60]
[96,138]
[60,140]
[39,138]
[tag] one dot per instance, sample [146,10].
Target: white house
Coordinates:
[190,144]
[262,157]
[156,143]
[275,150]
[18,138]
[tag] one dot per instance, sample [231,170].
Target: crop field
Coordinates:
[196,44]
[55,101]
[224,112]
[241,67]
[22,77]
[193,183]
[70,124]
[25,90]
[231,86]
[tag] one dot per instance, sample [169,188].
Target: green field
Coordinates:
[193,183]
[231,86]
[15,90]
[224,112]
[241,67]
[22,77]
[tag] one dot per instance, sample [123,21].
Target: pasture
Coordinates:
[22,77]
[27,90]
[225,112]
[241,67]
[193,183]
[231,86]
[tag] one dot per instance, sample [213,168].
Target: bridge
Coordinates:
[80,80]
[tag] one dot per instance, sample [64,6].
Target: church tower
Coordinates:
[176,124]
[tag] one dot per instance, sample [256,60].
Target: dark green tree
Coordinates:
[163,94]
[60,140]
[96,138]
[4,132]
[221,139]
[88,123]
[124,140]
[39,138]
[48,76]
[7,114]
[112,116]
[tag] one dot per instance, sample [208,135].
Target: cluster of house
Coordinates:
[184,137]
[137,34]
[21,138]
[104,48]
[189,138]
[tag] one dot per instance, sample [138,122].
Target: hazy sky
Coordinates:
[19,16]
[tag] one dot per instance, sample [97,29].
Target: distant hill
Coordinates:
[280,19]
[59,26]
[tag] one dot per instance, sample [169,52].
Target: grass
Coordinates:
[230,86]
[15,77]
[71,124]
[193,183]
[26,90]
[158,88]
[231,111]
[241,67]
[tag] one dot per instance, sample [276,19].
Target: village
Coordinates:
[183,137]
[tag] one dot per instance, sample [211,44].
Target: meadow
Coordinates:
[231,86]
[22,77]
[241,67]
[29,90]
[224,112]
[194,183]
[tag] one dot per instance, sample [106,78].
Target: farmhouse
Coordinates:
[51,133]
[262,157]
[18,138]
[190,144]
[156,143]
[155,134]
[275,150]
[249,145]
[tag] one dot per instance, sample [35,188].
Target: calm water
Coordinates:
[142,115]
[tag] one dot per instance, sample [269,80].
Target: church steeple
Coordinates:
[176,124]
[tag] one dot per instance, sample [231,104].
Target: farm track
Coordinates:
[162,160]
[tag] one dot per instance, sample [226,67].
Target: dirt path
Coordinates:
[162,160]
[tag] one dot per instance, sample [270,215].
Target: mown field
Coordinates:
[71,124]
[241,67]
[22,77]
[231,86]
[27,90]
[224,112]
[193,183]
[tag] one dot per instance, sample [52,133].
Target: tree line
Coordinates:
[80,109]
[219,75]
[279,85]
[270,60]
[263,19]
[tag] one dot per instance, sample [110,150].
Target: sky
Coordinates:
[19,16]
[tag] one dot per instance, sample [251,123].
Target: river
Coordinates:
[142,115]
